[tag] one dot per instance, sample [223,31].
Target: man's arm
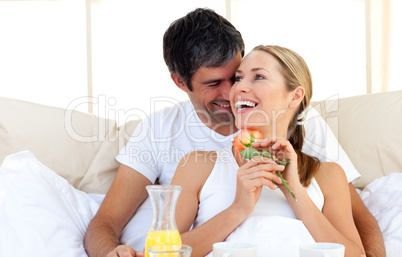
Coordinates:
[367,226]
[122,200]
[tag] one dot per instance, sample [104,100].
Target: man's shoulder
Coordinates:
[169,124]
[310,113]
[313,122]
[173,110]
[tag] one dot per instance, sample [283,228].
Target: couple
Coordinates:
[220,189]
[203,51]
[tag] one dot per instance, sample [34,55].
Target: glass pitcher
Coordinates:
[163,228]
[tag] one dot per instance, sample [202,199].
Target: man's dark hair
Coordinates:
[202,38]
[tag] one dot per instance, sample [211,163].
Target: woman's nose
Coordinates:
[242,86]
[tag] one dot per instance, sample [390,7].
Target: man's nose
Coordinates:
[225,89]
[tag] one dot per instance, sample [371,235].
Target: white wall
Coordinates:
[329,35]
[43,51]
[128,65]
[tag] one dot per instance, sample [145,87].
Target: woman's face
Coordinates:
[259,97]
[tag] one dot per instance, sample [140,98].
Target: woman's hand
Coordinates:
[258,172]
[282,150]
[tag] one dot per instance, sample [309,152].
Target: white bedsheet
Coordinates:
[383,198]
[275,236]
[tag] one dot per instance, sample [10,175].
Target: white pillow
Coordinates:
[41,214]
[101,172]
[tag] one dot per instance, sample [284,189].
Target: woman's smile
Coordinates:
[244,105]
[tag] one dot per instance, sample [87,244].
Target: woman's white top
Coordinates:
[272,225]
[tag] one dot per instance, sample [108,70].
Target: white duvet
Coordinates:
[41,214]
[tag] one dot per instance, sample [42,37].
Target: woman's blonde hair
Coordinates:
[296,73]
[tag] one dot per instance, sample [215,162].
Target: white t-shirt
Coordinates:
[161,140]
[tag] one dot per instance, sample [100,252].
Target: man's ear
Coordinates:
[297,97]
[179,82]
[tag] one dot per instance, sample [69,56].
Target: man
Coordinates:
[202,51]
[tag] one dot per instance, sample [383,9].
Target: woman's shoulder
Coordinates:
[330,171]
[197,164]
[199,157]
[330,176]
[205,158]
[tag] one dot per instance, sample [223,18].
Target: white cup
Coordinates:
[235,249]
[322,250]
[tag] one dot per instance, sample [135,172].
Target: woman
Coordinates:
[222,191]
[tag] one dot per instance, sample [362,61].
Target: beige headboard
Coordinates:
[78,146]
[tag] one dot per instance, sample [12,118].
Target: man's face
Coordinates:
[210,95]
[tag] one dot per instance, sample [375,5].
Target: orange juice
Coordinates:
[171,237]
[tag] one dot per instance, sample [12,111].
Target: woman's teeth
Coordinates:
[241,105]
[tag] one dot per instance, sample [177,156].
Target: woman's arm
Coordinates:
[191,174]
[335,222]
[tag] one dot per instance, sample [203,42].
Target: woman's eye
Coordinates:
[259,77]
[237,79]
